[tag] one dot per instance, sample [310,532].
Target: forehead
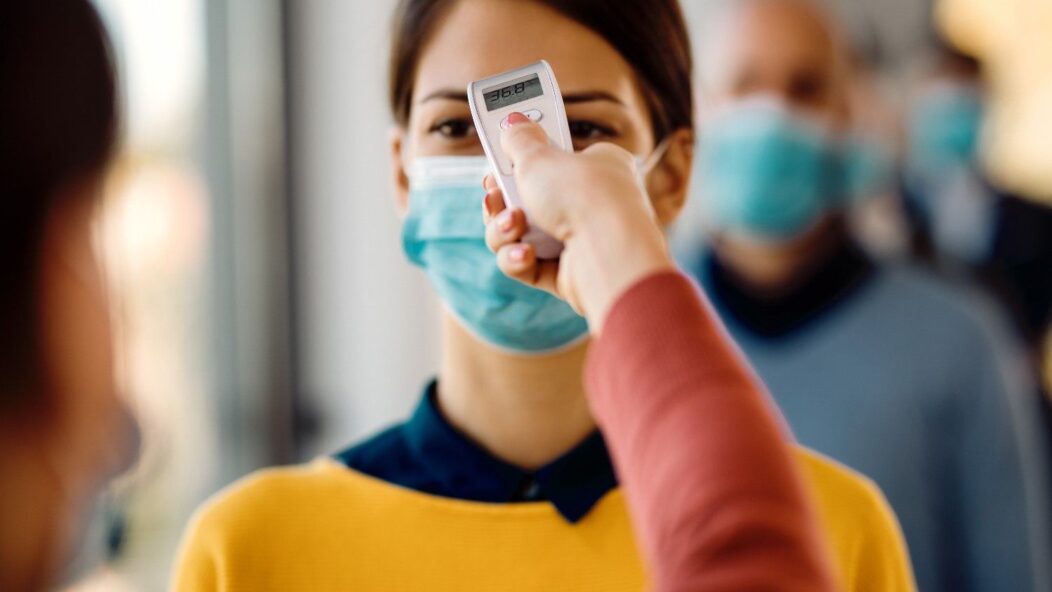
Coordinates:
[777,36]
[479,38]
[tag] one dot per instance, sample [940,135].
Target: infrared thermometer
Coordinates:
[532,91]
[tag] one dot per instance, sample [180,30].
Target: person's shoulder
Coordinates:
[855,493]
[254,515]
[930,306]
[271,513]
[859,522]
[264,496]
[940,297]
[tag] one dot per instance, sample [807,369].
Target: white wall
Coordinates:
[900,26]
[368,325]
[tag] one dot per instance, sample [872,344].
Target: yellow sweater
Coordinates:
[323,527]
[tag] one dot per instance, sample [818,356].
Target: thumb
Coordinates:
[524,140]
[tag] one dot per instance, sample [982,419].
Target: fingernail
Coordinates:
[517,118]
[487,203]
[518,253]
[505,221]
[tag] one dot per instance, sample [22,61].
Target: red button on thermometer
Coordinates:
[532,91]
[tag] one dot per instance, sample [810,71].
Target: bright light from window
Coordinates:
[159,45]
[1014,38]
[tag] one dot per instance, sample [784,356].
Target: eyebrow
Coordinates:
[447,94]
[592,96]
[571,99]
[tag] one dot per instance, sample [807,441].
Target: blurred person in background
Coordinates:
[63,429]
[901,376]
[951,205]
[877,218]
[500,479]
[963,221]
[963,224]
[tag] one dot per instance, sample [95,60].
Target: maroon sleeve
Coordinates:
[716,499]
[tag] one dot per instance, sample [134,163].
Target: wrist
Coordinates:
[620,248]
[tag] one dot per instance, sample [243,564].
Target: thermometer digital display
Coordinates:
[514,92]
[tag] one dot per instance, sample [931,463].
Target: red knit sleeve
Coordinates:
[705,464]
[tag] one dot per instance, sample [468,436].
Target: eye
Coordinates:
[807,88]
[453,129]
[589,131]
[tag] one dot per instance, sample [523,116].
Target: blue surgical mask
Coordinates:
[445,235]
[944,131]
[942,173]
[770,173]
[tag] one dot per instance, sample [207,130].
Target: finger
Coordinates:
[524,139]
[519,262]
[492,204]
[608,150]
[489,183]
[507,227]
[547,277]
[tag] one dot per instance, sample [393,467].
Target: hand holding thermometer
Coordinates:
[533,91]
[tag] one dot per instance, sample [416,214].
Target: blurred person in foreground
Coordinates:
[63,430]
[901,376]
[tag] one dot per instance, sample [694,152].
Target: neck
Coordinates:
[776,268]
[527,411]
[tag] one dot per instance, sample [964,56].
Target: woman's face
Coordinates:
[479,38]
[78,344]
[89,436]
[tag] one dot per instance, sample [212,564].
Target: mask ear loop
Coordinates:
[644,166]
[648,164]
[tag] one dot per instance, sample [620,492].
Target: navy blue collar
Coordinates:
[428,454]
[831,282]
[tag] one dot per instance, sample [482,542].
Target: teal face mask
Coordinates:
[944,130]
[766,172]
[444,235]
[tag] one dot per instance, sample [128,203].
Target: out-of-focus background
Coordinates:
[266,312]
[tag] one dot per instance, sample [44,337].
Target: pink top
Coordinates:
[706,466]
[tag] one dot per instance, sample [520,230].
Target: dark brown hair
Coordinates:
[58,125]
[651,36]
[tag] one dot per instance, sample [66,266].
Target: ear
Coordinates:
[668,183]
[399,179]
